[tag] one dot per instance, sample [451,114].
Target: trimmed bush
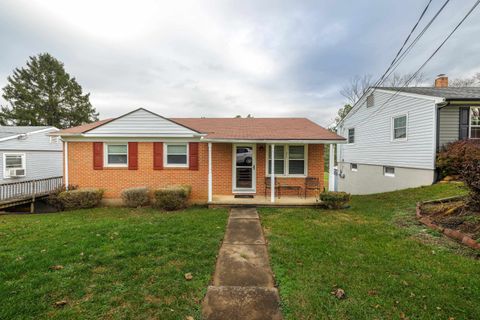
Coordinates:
[54,200]
[335,200]
[171,198]
[451,159]
[135,197]
[80,198]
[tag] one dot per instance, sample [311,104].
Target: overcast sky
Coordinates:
[223,58]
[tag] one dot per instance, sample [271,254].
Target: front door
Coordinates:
[244,163]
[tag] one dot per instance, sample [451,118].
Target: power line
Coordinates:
[419,36]
[426,61]
[405,42]
[399,58]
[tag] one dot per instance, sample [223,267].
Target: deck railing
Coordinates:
[29,188]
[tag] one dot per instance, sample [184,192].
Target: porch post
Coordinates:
[331,164]
[65,163]
[272,174]
[210,192]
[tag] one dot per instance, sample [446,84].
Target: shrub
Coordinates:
[334,200]
[135,197]
[54,200]
[470,174]
[80,198]
[171,198]
[451,158]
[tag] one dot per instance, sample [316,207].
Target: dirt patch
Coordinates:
[453,215]
[452,218]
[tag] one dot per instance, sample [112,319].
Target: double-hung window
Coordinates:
[116,155]
[399,127]
[176,155]
[296,160]
[290,160]
[351,135]
[14,165]
[279,159]
[474,122]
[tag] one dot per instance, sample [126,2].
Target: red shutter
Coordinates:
[97,155]
[157,155]
[193,155]
[132,155]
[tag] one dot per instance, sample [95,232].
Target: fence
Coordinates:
[29,189]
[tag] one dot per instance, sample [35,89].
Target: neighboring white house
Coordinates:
[29,153]
[394,134]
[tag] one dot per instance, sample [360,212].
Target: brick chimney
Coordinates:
[441,81]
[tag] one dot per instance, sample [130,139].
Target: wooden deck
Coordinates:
[262,201]
[23,192]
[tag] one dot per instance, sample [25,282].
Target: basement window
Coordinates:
[389,171]
[353,166]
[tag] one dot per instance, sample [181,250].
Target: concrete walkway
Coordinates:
[243,285]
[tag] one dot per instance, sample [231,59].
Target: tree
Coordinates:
[342,113]
[43,94]
[473,81]
[358,85]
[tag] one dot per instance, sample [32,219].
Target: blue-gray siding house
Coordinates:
[29,153]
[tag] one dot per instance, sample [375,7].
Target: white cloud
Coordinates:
[223,58]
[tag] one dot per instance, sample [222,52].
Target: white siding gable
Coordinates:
[373,132]
[142,123]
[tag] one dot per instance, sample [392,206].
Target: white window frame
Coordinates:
[393,127]
[387,174]
[175,165]
[105,155]
[352,168]
[286,161]
[348,135]
[24,163]
[470,126]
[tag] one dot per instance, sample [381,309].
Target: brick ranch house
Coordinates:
[220,158]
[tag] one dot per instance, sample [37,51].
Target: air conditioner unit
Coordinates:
[16,173]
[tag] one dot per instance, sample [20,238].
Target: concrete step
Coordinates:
[241,303]
[244,213]
[243,265]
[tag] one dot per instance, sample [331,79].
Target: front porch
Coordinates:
[263,201]
[258,173]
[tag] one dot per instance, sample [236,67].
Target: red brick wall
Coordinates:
[114,180]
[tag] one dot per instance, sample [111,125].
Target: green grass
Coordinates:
[390,266]
[118,263]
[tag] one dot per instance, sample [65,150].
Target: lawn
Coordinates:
[390,266]
[117,263]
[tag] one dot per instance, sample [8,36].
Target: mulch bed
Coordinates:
[450,217]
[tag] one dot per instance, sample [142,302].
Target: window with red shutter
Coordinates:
[132,155]
[158,155]
[98,155]
[193,155]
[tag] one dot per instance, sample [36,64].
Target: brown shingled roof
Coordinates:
[82,128]
[259,128]
[241,128]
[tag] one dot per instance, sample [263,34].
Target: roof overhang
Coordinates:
[30,133]
[274,141]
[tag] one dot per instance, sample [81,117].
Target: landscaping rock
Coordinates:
[188,276]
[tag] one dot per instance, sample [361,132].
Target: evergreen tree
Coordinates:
[43,94]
